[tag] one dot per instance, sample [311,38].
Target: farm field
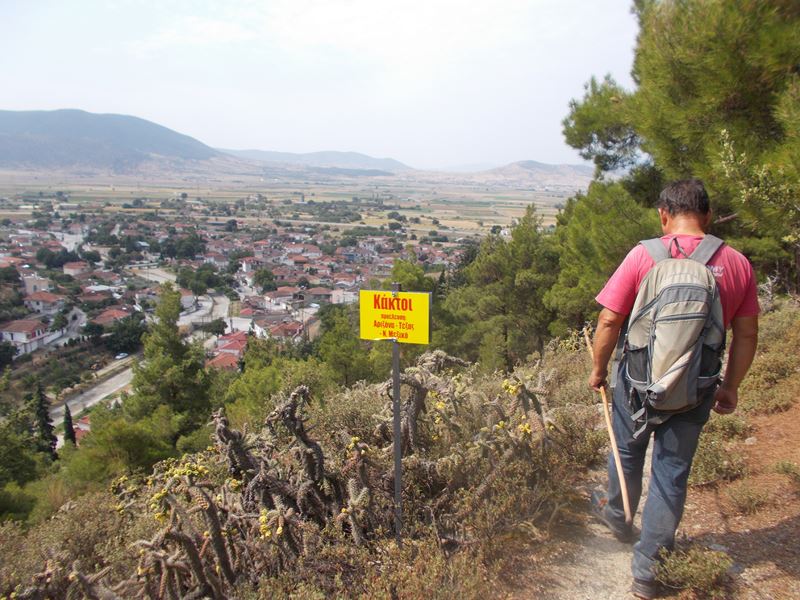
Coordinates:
[460,209]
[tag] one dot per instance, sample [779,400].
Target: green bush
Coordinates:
[716,460]
[747,499]
[772,383]
[700,570]
[732,427]
[791,470]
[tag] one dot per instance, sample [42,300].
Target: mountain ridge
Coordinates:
[73,137]
[324,158]
[84,144]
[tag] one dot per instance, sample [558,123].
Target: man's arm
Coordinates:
[743,349]
[609,324]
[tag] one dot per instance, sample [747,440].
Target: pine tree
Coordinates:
[499,317]
[43,430]
[172,372]
[69,429]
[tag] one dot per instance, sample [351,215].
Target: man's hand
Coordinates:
[609,324]
[725,400]
[597,379]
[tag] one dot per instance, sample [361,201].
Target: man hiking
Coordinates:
[664,322]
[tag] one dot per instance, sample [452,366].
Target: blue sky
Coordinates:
[433,83]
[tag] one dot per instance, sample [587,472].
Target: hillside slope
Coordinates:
[75,138]
[334,159]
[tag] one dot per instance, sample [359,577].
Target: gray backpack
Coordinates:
[675,339]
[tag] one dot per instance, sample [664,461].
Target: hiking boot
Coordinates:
[623,532]
[645,589]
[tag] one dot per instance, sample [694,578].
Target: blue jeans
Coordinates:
[674,447]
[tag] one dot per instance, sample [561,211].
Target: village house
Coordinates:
[27,335]
[76,268]
[220,261]
[111,315]
[35,283]
[234,336]
[223,361]
[45,303]
[289,331]
[82,428]
[341,295]
[188,299]
[315,294]
[251,264]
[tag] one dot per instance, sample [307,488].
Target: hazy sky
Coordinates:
[432,83]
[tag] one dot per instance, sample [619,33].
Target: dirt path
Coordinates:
[583,561]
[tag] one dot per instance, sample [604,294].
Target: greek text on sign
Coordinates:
[404,316]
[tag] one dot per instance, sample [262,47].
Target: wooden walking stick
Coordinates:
[614,449]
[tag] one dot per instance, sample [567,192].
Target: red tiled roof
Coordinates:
[23,326]
[223,361]
[80,434]
[44,297]
[286,329]
[111,315]
[234,346]
[240,336]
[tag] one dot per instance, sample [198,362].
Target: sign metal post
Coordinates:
[402,318]
[398,450]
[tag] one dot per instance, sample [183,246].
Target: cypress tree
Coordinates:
[69,429]
[43,430]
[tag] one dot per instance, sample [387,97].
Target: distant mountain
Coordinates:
[329,159]
[75,138]
[541,174]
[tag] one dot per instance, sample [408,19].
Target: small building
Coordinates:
[223,361]
[26,334]
[344,296]
[45,303]
[251,264]
[111,315]
[288,331]
[35,283]
[188,299]
[235,336]
[76,268]
[318,294]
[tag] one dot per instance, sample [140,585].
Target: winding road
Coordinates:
[211,307]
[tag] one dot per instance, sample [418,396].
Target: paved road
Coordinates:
[210,307]
[93,395]
[159,275]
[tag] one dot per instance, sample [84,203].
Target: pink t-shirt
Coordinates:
[733,272]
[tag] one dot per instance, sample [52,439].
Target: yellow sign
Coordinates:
[404,316]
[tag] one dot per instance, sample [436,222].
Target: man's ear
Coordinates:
[663,216]
[708,219]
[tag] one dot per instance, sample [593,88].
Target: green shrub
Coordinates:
[787,467]
[716,460]
[700,570]
[732,427]
[790,469]
[772,383]
[747,499]
[15,503]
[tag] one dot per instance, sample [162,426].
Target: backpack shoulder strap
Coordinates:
[706,249]
[655,248]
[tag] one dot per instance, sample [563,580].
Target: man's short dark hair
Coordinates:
[684,196]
